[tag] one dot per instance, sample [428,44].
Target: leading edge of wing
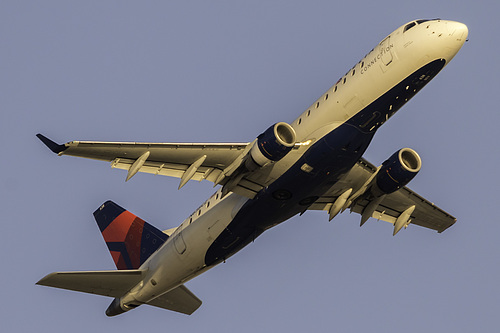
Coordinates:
[58,148]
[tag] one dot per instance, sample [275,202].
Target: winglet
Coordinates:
[56,148]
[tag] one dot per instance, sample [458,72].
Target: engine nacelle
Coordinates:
[272,145]
[397,171]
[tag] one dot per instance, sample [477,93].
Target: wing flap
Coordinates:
[179,299]
[162,168]
[245,187]
[105,283]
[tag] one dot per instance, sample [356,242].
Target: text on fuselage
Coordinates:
[365,65]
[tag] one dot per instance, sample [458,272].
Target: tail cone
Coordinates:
[115,309]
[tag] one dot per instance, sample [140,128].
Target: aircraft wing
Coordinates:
[425,214]
[186,161]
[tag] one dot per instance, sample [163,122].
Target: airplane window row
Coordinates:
[335,88]
[208,205]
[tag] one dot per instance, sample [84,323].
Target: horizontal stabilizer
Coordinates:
[105,283]
[179,299]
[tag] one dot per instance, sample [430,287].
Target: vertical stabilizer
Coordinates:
[130,240]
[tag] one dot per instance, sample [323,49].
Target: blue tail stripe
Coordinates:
[151,240]
[120,247]
[105,214]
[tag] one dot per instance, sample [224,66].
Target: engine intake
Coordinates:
[272,145]
[398,170]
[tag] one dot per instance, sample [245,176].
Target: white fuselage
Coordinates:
[402,53]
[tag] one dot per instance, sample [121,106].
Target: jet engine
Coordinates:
[272,145]
[397,171]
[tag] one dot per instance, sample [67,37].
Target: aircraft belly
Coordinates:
[318,169]
[311,176]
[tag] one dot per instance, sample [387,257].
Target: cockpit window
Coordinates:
[409,26]
[412,24]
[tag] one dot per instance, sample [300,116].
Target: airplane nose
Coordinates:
[452,36]
[459,31]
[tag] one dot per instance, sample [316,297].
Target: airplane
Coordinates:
[313,163]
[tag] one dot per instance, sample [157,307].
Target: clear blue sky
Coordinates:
[225,71]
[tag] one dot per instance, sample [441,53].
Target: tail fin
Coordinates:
[130,240]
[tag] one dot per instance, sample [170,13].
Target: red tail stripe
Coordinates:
[116,257]
[133,241]
[118,229]
[120,263]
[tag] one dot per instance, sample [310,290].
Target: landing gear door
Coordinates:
[179,243]
[386,52]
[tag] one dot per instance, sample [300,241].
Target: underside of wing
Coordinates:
[426,214]
[390,207]
[187,161]
[242,168]
[171,159]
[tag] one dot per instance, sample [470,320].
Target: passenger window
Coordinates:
[326,97]
[317,105]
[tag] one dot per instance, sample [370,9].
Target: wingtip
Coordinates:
[44,281]
[53,146]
